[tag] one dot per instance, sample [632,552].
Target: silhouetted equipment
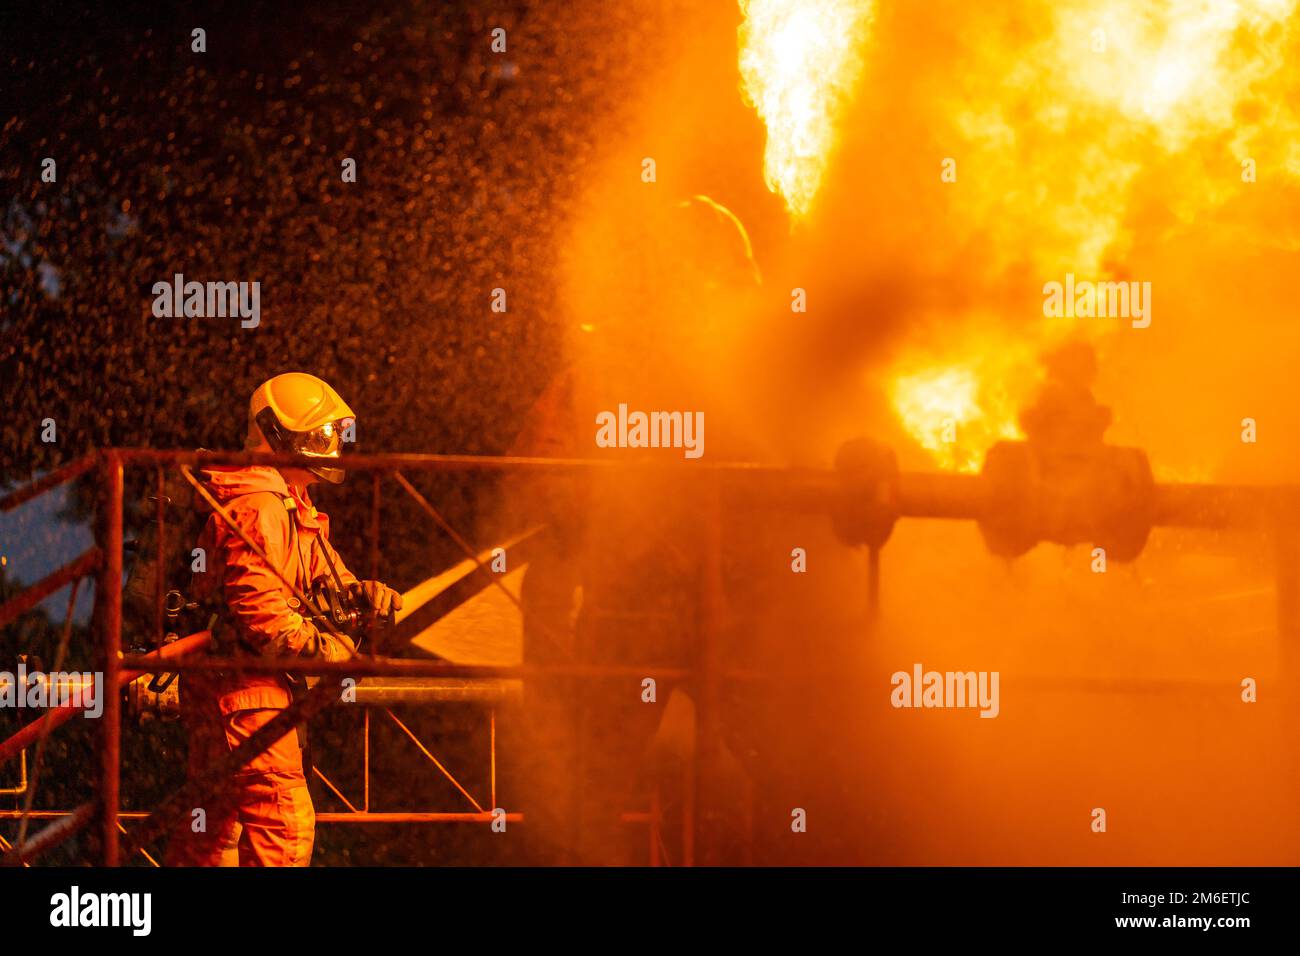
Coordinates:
[1063,484]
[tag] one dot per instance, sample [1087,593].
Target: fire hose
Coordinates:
[58,716]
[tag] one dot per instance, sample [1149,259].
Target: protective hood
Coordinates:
[226,484]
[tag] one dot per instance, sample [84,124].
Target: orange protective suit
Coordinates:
[264,812]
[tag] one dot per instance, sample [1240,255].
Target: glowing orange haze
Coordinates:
[1151,80]
[1107,155]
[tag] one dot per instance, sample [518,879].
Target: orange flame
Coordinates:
[800,61]
[1116,109]
[956,413]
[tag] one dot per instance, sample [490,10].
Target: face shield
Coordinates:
[325,441]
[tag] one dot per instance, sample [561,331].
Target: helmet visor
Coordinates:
[323,442]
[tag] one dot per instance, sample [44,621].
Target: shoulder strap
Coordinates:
[325,552]
[301,568]
[295,554]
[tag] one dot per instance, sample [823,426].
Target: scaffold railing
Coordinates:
[720,485]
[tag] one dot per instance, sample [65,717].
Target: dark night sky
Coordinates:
[225,165]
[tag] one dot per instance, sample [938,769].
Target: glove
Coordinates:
[328,646]
[380,598]
[338,648]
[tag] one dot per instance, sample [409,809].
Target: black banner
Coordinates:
[1150,906]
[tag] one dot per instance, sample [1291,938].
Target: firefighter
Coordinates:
[262,815]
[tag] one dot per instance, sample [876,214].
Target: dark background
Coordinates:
[225,166]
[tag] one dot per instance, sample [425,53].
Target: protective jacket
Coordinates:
[262,815]
[262,614]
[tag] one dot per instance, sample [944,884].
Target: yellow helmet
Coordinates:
[300,414]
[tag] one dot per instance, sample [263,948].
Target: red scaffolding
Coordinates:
[720,485]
